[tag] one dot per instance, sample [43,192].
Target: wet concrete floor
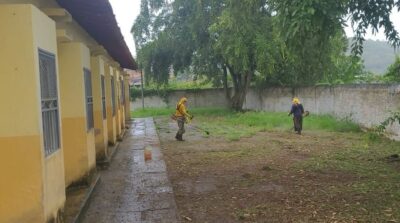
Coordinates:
[132,189]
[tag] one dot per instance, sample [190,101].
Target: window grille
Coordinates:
[89,99]
[49,102]
[122,92]
[113,96]
[103,97]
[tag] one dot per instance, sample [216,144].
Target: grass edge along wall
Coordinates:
[365,104]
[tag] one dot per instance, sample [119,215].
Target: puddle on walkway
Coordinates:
[135,188]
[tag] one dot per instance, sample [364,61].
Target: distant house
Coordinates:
[135,78]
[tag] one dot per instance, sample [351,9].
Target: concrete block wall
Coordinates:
[198,98]
[365,104]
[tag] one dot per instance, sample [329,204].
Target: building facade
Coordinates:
[64,99]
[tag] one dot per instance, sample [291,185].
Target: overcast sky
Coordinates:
[126,12]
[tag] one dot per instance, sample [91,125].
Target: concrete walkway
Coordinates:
[132,189]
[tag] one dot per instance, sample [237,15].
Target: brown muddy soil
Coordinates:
[261,179]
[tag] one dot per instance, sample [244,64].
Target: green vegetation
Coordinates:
[164,90]
[151,112]
[234,125]
[393,118]
[393,71]
[272,42]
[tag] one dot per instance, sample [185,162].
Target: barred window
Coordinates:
[122,92]
[89,99]
[49,102]
[103,96]
[113,96]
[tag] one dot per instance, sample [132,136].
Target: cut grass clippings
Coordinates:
[335,172]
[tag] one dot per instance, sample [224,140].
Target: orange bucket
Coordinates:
[147,153]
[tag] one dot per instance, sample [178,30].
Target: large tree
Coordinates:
[304,20]
[287,42]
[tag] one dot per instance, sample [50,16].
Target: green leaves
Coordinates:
[393,72]
[272,42]
[373,14]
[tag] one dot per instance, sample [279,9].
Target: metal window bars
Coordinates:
[113,96]
[89,99]
[49,102]
[103,97]
[122,92]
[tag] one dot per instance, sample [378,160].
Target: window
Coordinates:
[103,96]
[49,102]
[89,99]
[113,96]
[122,92]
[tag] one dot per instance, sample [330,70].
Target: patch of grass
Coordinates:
[364,159]
[374,177]
[235,125]
[280,121]
[329,123]
[152,112]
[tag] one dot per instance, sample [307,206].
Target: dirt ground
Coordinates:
[267,178]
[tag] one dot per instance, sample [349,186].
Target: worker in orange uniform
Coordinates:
[181,116]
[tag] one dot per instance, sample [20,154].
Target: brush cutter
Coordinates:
[201,129]
[305,114]
[188,121]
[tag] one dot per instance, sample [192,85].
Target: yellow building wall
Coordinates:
[111,122]
[33,189]
[127,99]
[90,143]
[100,124]
[78,142]
[78,33]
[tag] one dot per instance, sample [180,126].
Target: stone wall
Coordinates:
[367,105]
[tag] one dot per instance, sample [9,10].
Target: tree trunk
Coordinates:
[240,90]
[225,81]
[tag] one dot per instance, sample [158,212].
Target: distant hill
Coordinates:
[378,55]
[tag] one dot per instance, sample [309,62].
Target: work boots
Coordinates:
[179,137]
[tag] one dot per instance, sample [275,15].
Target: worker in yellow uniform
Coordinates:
[182,116]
